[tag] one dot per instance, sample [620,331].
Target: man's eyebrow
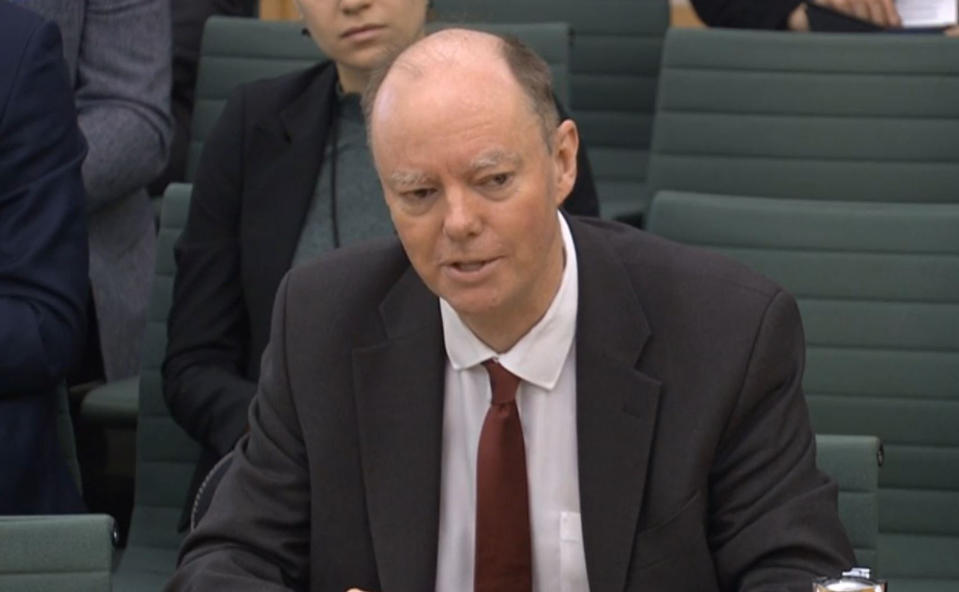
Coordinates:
[494,158]
[408,178]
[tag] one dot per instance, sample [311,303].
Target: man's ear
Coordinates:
[565,149]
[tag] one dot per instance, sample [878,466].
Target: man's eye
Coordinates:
[420,193]
[498,180]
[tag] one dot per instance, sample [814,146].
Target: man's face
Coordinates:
[357,33]
[473,189]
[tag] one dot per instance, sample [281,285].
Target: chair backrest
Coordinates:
[64,552]
[614,66]
[237,50]
[166,455]
[853,461]
[878,288]
[820,116]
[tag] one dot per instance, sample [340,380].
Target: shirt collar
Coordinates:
[538,357]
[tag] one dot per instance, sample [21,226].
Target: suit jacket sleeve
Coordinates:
[773,518]
[745,14]
[255,535]
[582,200]
[205,385]
[123,95]
[43,249]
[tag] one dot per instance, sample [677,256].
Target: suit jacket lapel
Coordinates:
[616,408]
[399,394]
[289,149]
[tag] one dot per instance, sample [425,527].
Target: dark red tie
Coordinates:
[504,555]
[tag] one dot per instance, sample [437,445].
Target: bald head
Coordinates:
[480,61]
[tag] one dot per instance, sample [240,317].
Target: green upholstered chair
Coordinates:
[67,552]
[878,288]
[238,50]
[165,456]
[820,116]
[854,461]
[614,66]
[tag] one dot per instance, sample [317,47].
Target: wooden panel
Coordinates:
[278,10]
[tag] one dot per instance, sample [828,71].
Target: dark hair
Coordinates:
[528,69]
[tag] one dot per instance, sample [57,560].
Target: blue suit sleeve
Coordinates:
[43,245]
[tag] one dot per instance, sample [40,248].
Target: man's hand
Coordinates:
[879,12]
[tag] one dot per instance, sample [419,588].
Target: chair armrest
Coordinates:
[61,552]
[115,402]
[853,462]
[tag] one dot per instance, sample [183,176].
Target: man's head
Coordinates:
[474,166]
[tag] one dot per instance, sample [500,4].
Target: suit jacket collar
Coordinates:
[401,449]
[289,148]
[615,407]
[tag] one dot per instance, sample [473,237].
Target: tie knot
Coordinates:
[502,381]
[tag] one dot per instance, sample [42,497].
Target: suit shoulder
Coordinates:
[270,95]
[647,255]
[355,277]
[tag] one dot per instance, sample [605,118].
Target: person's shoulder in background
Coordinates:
[43,271]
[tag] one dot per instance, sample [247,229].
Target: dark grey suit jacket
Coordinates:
[118,55]
[696,457]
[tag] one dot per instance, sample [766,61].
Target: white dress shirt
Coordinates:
[545,361]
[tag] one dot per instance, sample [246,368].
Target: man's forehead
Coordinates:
[450,48]
[447,61]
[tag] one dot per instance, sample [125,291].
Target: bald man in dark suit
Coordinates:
[654,389]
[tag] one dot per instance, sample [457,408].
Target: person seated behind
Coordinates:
[118,58]
[659,437]
[43,261]
[285,175]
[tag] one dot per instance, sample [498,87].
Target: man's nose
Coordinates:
[354,6]
[463,218]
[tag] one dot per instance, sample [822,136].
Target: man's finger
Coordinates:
[877,13]
[892,15]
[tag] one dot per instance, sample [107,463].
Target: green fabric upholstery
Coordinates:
[819,116]
[237,50]
[115,402]
[166,455]
[614,66]
[878,287]
[853,461]
[67,552]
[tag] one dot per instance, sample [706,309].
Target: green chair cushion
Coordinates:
[115,402]
[166,455]
[819,116]
[66,552]
[853,461]
[878,289]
